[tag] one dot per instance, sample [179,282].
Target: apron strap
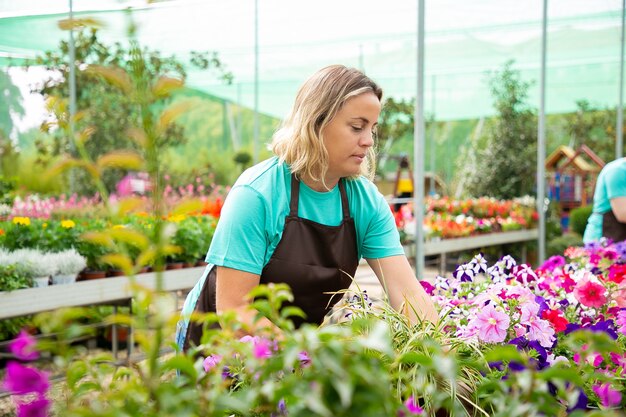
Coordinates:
[295,193]
[344,200]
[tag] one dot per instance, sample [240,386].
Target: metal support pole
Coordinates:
[433,143]
[418,147]
[619,136]
[255,151]
[72,82]
[541,140]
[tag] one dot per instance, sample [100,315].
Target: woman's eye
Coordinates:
[357,128]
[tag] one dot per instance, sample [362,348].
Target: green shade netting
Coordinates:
[464,40]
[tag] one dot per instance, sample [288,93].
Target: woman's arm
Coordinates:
[405,292]
[232,289]
[618,205]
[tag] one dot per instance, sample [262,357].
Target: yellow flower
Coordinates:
[25,221]
[119,226]
[67,224]
[45,225]
[177,218]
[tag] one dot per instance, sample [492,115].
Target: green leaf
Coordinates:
[505,353]
[414,358]
[563,373]
[291,311]
[345,390]
[183,364]
[75,372]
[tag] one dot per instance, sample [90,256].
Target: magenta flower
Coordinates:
[36,408]
[23,347]
[22,379]
[607,395]
[411,405]
[210,362]
[492,324]
[262,349]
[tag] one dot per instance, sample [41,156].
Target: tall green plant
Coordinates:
[107,108]
[593,127]
[500,167]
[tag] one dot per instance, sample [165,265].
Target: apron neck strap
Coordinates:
[295,194]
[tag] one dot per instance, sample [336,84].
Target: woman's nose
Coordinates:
[367,139]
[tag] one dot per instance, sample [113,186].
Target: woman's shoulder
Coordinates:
[362,184]
[266,177]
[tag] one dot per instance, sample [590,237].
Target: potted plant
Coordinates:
[188,238]
[36,264]
[68,264]
[93,253]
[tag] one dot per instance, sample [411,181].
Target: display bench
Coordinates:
[115,291]
[88,293]
[446,246]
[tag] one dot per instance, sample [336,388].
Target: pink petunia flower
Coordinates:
[607,395]
[589,293]
[262,349]
[538,329]
[211,361]
[492,324]
[23,347]
[620,321]
[412,406]
[36,408]
[21,380]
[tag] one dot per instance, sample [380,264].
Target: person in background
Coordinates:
[608,218]
[306,216]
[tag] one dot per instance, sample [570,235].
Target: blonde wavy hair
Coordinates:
[299,141]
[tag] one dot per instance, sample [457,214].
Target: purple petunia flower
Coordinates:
[464,273]
[23,347]
[508,262]
[581,402]
[606,326]
[21,379]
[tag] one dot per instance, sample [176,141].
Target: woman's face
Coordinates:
[349,135]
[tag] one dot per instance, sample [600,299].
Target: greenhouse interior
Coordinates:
[282,208]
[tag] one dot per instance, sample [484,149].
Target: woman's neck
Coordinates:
[320,186]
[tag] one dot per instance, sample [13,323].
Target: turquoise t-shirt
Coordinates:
[253,217]
[611,183]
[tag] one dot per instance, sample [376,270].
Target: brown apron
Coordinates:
[310,258]
[613,228]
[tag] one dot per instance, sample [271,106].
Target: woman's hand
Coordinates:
[405,293]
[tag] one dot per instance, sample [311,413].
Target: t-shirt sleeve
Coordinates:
[616,183]
[381,238]
[240,240]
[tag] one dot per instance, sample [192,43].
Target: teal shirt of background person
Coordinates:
[253,217]
[611,183]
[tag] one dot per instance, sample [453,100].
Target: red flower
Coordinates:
[555,317]
[617,273]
